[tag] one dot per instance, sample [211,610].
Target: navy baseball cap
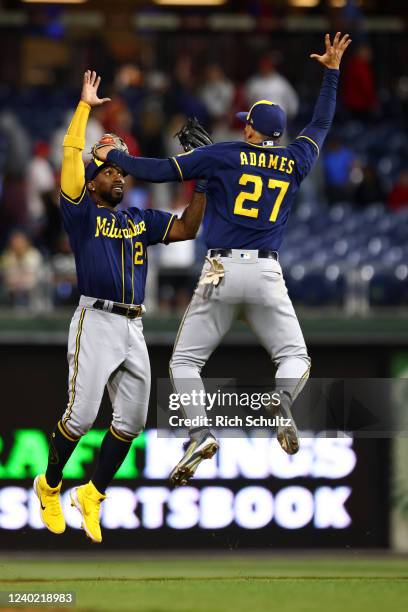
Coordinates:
[265,117]
[95,166]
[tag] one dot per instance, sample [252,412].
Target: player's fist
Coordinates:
[334,52]
[90,86]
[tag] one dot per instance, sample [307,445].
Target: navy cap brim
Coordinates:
[93,169]
[242,116]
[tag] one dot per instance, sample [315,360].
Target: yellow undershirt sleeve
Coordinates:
[73,170]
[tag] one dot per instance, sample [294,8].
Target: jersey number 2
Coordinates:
[256,194]
[138,258]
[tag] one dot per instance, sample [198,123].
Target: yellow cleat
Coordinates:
[50,504]
[87,500]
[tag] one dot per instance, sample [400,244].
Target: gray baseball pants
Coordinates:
[106,349]
[257,286]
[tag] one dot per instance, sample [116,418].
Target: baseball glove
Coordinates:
[111,140]
[192,135]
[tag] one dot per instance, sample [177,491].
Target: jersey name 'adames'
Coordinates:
[250,191]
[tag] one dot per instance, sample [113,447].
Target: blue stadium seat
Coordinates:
[389,286]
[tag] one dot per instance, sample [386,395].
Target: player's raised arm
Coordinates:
[73,170]
[325,107]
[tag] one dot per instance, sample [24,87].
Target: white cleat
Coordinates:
[287,435]
[197,450]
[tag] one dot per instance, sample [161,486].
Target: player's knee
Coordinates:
[129,426]
[293,366]
[183,365]
[307,360]
[78,428]
[128,431]
[301,355]
[177,360]
[80,417]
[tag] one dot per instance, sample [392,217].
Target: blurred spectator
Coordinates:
[130,86]
[176,262]
[179,254]
[40,181]
[21,267]
[128,75]
[337,163]
[352,19]
[402,94]
[269,84]
[13,205]
[171,144]
[64,273]
[181,97]
[117,118]
[313,188]
[16,150]
[217,92]
[398,197]
[359,93]
[151,130]
[52,227]
[136,194]
[369,190]
[17,143]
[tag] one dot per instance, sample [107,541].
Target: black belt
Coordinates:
[131,312]
[262,253]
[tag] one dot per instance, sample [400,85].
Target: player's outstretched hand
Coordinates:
[334,52]
[90,86]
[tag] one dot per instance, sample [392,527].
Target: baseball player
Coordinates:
[251,188]
[106,345]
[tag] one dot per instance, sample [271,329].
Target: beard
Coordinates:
[111,197]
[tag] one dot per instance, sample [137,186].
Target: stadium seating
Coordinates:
[330,256]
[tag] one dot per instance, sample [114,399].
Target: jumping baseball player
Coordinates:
[251,188]
[106,345]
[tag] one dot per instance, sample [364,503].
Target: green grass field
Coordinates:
[250,583]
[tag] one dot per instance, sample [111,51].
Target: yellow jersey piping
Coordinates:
[168,227]
[76,363]
[305,376]
[178,168]
[77,200]
[133,275]
[312,141]
[123,273]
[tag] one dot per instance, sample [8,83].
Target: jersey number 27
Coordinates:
[256,194]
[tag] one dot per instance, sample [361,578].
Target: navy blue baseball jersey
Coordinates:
[110,247]
[251,187]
